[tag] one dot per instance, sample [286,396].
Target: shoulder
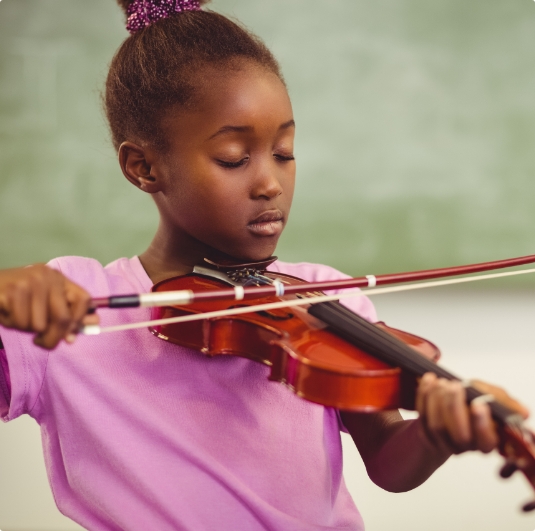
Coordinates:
[75,265]
[319,272]
[122,274]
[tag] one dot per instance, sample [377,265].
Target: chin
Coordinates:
[255,253]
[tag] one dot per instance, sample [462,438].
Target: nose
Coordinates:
[267,184]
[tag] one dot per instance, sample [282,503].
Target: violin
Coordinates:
[323,352]
[303,353]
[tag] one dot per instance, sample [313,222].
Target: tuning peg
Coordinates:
[508,469]
[530,506]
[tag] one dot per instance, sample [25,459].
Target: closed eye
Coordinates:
[231,164]
[284,158]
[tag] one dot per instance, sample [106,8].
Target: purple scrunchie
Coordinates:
[142,13]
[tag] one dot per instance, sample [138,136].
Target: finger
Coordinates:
[5,314]
[426,384]
[7,283]
[433,413]
[457,416]
[448,420]
[4,304]
[91,319]
[60,320]
[20,298]
[501,396]
[39,307]
[79,301]
[433,418]
[425,387]
[483,428]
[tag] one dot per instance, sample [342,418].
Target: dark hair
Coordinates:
[158,67]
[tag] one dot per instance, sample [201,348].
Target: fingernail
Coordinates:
[428,377]
[478,410]
[70,338]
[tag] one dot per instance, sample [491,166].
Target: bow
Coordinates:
[279,289]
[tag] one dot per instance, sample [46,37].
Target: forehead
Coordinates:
[240,95]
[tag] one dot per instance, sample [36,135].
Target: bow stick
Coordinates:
[181,297]
[97,329]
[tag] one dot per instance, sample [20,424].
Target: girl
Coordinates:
[142,434]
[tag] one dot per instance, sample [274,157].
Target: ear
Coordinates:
[134,161]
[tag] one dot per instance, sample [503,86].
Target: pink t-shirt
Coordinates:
[142,434]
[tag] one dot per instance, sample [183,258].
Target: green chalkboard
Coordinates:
[415,120]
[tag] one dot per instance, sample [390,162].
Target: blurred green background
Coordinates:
[415,120]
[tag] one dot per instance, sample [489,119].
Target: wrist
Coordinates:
[432,447]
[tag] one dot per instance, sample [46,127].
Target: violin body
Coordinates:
[303,353]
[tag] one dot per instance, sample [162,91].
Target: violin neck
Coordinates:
[384,346]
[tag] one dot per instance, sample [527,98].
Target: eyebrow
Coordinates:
[247,128]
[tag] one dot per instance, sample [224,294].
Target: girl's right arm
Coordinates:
[41,300]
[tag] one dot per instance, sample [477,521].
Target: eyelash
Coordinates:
[226,164]
[284,158]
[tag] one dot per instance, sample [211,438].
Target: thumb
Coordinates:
[501,396]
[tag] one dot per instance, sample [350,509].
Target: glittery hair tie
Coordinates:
[142,13]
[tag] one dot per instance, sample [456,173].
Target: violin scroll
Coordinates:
[517,445]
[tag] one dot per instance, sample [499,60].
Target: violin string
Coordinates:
[96,329]
[374,340]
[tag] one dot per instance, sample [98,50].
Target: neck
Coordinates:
[174,253]
[171,253]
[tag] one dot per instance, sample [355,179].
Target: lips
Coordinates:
[269,223]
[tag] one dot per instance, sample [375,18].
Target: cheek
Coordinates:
[211,203]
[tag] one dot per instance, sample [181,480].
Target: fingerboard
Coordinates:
[384,346]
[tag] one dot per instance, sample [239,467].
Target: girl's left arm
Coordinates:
[400,455]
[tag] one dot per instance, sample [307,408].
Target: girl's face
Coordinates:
[227,179]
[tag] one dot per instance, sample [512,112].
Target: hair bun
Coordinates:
[125,3]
